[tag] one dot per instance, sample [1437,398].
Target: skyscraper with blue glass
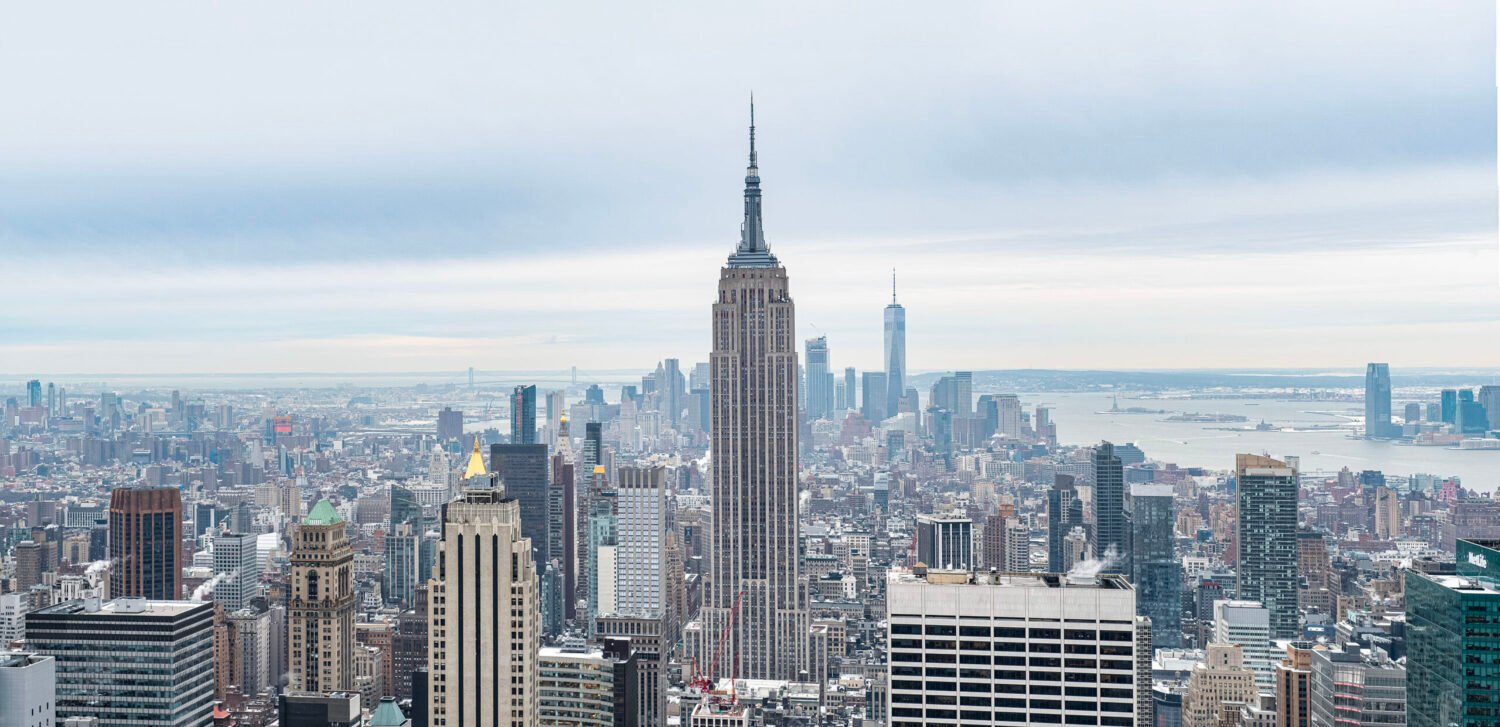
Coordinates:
[1378,401]
[1155,570]
[523,415]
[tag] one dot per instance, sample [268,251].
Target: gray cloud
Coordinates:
[182,137]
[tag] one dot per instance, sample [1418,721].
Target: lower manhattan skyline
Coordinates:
[1335,193]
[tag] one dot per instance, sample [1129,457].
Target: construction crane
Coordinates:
[704,682]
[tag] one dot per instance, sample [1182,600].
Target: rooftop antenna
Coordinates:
[752,129]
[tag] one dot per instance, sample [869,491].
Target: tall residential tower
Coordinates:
[1267,565]
[754,454]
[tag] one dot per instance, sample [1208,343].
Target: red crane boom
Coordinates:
[704,682]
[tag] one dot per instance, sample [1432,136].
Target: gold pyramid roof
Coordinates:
[476,463]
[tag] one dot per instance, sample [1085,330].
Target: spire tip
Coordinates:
[752,129]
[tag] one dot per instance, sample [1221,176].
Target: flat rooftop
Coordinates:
[124,607]
[18,659]
[1462,584]
[950,577]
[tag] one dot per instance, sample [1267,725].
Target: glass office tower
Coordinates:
[1453,641]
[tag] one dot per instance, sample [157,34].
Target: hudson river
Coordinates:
[1194,444]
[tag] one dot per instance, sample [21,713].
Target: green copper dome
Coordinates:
[322,514]
[387,714]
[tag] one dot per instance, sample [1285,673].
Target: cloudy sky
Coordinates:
[378,186]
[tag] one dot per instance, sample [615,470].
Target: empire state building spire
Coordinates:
[755,597]
[752,251]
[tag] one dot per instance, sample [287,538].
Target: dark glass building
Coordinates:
[1472,417]
[313,709]
[1109,509]
[1452,629]
[1449,410]
[522,469]
[405,509]
[523,415]
[1155,571]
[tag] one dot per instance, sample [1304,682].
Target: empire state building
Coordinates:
[755,559]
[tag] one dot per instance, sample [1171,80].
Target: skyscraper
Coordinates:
[819,380]
[1109,509]
[1064,512]
[963,393]
[238,566]
[1248,624]
[872,402]
[320,611]
[402,564]
[522,469]
[1267,539]
[670,388]
[754,458]
[590,459]
[600,571]
[130,661]
[1471,418]
[895,352]
[484,617]
[450,424]
[404,505]
[1489,398]
[1155,570]
[1293,683]
[1033,629]
[640,542]
[562,529]
[523,415]
[1378,400]
[851,388]
[1449,403]
[557,410]
[1008,415]
[145,527]
[1450,624]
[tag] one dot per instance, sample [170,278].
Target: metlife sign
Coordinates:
[1474,560]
